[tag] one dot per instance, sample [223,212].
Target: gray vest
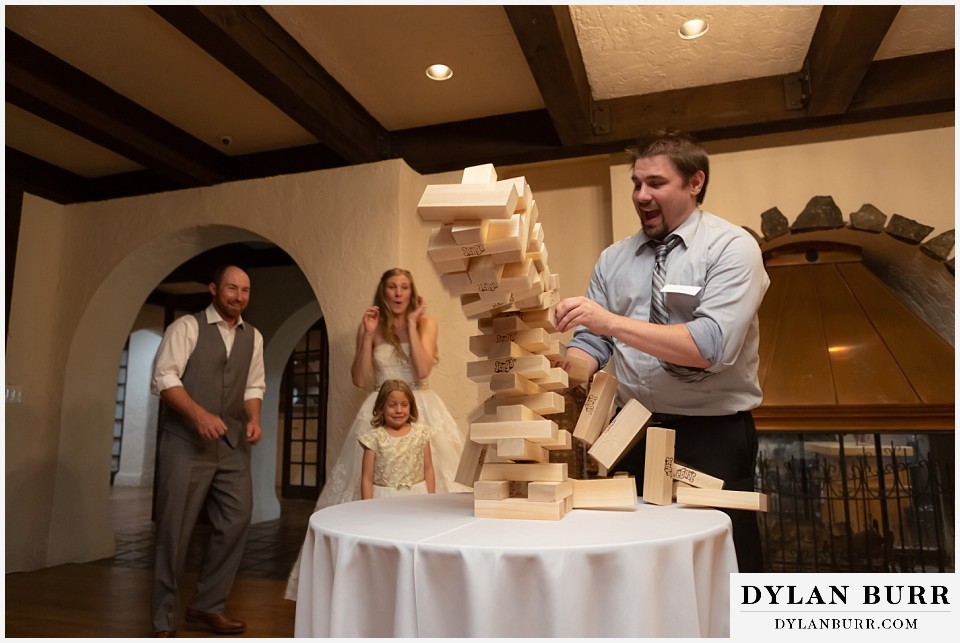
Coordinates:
[215,382]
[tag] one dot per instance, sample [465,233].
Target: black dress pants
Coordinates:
[721,446]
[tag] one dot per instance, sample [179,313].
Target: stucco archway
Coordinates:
[79,527]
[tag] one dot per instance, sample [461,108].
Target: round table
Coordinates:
[425,566]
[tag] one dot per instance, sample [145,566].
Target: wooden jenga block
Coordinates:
[748,500]
[513,384]
[519,508]
[509,323]
[621,435]
[521,450]
[657,466]
[600,493]
[442,247]
[491,489]
[568,504]
[457,283]
[579,371]
[534,366]
[554,380]
[524,192]
[471,461]
[508,234]
[473,306]
[469,232]
[535,431]
[508,349]
[595,415]
[519,276]
[542,403]
[551,472]
[482,269]
[546,299]
[694,478]
[544,318]
[563,442]
[516,413]
[467,201]
[550,491]
[485,173]
[453,265]
[534,340]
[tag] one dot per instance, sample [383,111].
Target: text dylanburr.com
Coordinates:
[849,605]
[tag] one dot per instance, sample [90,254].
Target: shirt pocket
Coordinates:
[681,300]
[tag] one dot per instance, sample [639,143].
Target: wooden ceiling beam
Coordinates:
[251,44]
[841,52]
[48,87]
[908,86]
[43,179]
[549,42]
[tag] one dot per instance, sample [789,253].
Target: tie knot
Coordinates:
[664,247]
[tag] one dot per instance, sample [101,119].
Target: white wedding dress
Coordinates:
[446,441]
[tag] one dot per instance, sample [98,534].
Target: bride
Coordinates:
[395,340]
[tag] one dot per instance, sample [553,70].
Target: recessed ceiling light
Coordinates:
[692,29]
[439,72]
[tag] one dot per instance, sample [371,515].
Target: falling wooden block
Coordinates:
[534,366]
[550,491]
[521,450]
[485,173]
[626,430]
[597,408]
[542,403]
[579,370]
[657,466]
[471,461]
[748,500]
[694,478]
[535,431]
[547,472]
[491,489]
[598,493]
[519,508]
[465,201]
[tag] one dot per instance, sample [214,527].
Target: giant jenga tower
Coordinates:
[489,251]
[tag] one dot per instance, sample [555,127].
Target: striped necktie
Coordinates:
[658,308]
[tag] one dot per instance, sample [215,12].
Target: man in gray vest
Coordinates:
[209,374]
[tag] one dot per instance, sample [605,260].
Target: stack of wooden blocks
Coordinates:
[489,251]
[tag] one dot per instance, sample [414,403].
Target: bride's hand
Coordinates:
[371,317]
[414,316]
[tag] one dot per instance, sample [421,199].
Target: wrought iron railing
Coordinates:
[857,503]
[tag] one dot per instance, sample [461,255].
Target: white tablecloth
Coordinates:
[424,566]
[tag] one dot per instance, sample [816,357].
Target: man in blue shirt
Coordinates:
[683,336]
